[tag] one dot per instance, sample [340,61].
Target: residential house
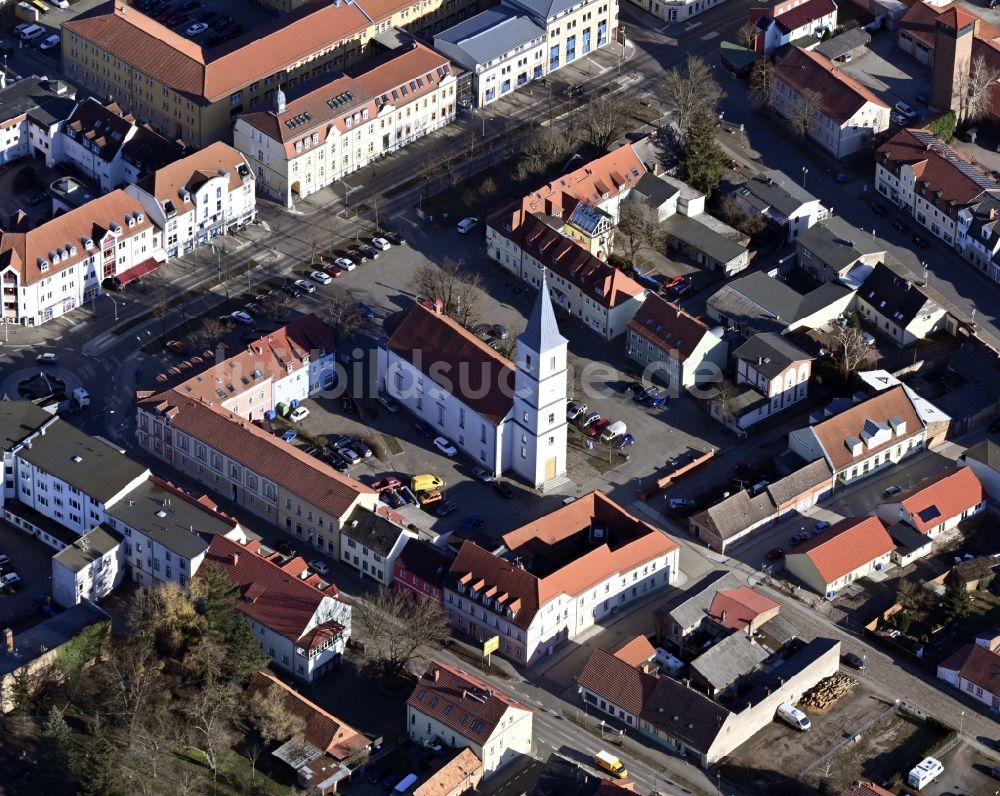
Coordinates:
[844,115]
[852,549]
[833,250]
[502,48]
[939,504]
[166,532]
[898,308]
[773,372]
[302,625]
[371,541]
[32,110]
[325,749]
[35,651]
[199,197]
[88,569]
[866,438]
[194,93]
[935,421]
[460,775]
[108,146]
[975,574]
[53,470]
[910,544]
[673,346]
[671,11]
[457,709]
[984,460]
[782,201]
[944,191]
[975,670]
[421,568]
[686,721]
[301,145]
[252,468]
[290,364]
[637,651]
[59,265]
[791,21]
[505,415]
[727,664]
[562,574]
[733,519]
[759,303]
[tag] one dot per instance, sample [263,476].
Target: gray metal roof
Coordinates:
[694,609]
[844,43]
[736,513]
[837,243]
[374,531]
[796,483]
[703,238]
[776,190]
[544,9]
[773,303]
[727,661]
[49,635]
[46,101]
[91,464]
[895,297]
[185,527]
[987,452]
[542,332]
[93,545]
[491,34]
[656,190]
[770,353]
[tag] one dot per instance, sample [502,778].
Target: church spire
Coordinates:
[542,331]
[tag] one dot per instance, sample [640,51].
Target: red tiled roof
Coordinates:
[978,665]
[947,496]
[456,360]
[615,787]
[635,651]
[192,172]
[465,768]
[804,13]
[848,545]
[833,432]
[840,96]
[614,680]
[939,180]
[271,595]
[322,730]
[738,608]
[668,327]
[591,184]
[270,457]
[865,788]
[461,701]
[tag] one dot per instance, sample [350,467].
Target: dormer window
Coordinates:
[461,588]
[72,250]
[131,221]
[140,217]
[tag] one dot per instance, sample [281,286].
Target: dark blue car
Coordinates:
[423,429]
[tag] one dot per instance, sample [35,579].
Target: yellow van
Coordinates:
[427,481]
[611,764]
[43,7]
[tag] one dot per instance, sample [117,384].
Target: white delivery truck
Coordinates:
[613,431]
[926,771]
[793,716]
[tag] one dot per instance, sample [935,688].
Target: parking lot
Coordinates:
[32,561]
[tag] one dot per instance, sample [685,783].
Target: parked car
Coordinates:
[919,242]
[387,482]
[889,491]
[381,244]
[8,580]
[467,224]
[285,548]
[196,29]
[304,286]
[298,413]
[320,278]
[680,503]
[394,238]
[898,118]
[673,282]
[49,42]
[319,567]
[775,553]
[177,347]
[368,251]
[900,226]
[854,661]
[344,264]
[590,419]
[444,445]
[360,448]
[821,526]
[625,441]
[905,109]
[798,539]
[47,358]
[349,453]
[597,428]
[290,436]
[503,489]
[366,312]
[446,508]
[481,473]
[423,429]
[574,409]
[657,400]
[388,403]
[253,308]
[241,317]
[358,255]
[4,561]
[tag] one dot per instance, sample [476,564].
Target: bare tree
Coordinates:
[689,89]
[604,120]
[130,682]
[800,116]
[852,351]
[546,149]
[212,331]
[761,80]
[725,400]
[974,90]
[638,226]
[341,313]
[746,36]
[397,625]
[732,212]
[269,714]
[459,290]
[210,712]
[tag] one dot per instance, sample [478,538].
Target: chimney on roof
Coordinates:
[236,558]
[993,213]
[437,676]
[724,615]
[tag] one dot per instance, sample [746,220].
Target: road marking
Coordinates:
[692,25]
[710,35]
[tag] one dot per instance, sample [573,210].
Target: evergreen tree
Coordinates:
[52,759]
[704,160]
[98,771]
[956,603]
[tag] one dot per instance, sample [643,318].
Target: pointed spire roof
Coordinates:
[542,332]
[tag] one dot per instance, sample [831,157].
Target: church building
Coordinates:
[508,416]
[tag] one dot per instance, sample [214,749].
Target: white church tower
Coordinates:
[538,441]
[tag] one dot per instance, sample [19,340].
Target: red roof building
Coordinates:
[789,21]
[584,561]
[302,623]
[457,709]
[741,608]
[840,555]
[636,651]
[939,505]
[975,670]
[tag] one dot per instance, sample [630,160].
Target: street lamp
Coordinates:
[805,171]
[114,303]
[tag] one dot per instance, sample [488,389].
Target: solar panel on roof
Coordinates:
[929,513]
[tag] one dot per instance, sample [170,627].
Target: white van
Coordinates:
[793,716]
[616,429]
[31,32]
[405,784]
[927,770]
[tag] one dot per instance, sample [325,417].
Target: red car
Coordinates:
[595,429]
[389,482]
[332,270]
[177,347]
[775,554]
[673,282]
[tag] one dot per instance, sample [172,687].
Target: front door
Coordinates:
[550,469]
